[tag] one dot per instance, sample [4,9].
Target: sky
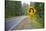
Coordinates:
[25,1]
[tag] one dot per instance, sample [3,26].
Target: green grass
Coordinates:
[37,21]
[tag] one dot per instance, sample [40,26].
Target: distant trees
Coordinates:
[39,6]
[24,9]
[40,10]
[13,8]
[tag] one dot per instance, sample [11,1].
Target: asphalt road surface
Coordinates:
[18,23]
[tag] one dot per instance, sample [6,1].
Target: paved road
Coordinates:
[13,22]
[20,22]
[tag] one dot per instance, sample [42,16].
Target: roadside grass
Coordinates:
[37,22]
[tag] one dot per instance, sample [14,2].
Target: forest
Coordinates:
[15,8]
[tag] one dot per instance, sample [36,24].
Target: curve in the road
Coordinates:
[20,19]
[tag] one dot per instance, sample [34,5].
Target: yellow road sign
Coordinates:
[31,12]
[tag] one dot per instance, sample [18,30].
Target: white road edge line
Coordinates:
[17,23]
